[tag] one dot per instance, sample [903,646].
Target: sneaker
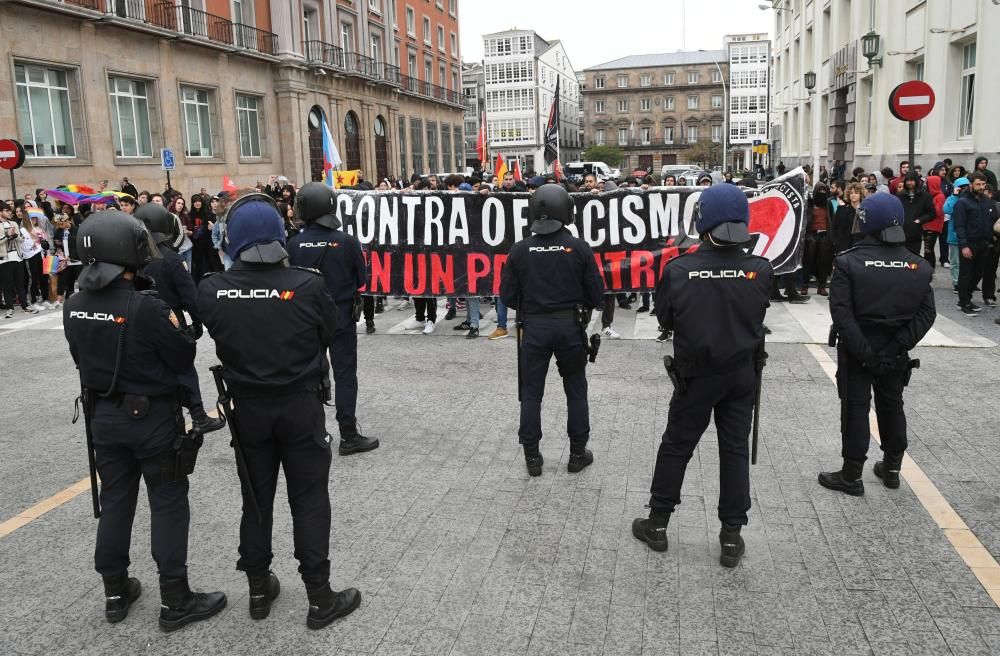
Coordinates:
[450,314]
[652,531]
[46,305]
[610,333]
[412,324]
[822,291]
[798,299]
[57,305]
[465,325]
[970,311]
[369,329]
[473,333]
[990,302]
[579,461]
[9,314]
[29,309]
[428,327]
[35,307]
[643,308]
[499,333]
[946,264]
[379,306]
[664,336]
[971,306]
[732,545]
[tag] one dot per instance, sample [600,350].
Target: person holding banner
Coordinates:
[551,279]
[714,299]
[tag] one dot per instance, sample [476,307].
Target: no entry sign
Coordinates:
[11,154]
[911,101]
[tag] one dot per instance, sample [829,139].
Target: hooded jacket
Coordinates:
[973,217]
[918,208]
[934,188]
[991,177]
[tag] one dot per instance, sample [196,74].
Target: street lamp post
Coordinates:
[809,82]
[725,118]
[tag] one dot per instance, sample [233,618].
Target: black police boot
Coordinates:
[264,589]
[888,469]
[120,592]
[325,605]
[847,480]
[533,459]
[203,422]
[732,545]
[653,530]
[179,606]
[579,458]
[352,441]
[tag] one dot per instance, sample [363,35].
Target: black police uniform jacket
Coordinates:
[714,299]
[271,325]
[548,273]
[155,349]
[173,282]
[881,299]
[334,253]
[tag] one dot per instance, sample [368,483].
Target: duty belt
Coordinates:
[556,314]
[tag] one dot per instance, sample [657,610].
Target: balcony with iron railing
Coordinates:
[185,21]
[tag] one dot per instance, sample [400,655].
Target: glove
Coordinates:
[878,365]
[196,330]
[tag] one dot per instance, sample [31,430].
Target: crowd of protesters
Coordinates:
[950,216]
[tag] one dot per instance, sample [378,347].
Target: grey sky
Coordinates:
[596,31]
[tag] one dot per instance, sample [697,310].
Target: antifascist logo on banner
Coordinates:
[443,243]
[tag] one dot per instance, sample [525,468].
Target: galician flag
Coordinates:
[331,157]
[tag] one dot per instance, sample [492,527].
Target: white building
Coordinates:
[749,93]
[846,116]
[521,70]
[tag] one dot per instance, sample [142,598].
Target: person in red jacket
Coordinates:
[932,229]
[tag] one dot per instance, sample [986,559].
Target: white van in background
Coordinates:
[576,170]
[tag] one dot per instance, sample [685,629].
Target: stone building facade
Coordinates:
[95,88]
[657,107]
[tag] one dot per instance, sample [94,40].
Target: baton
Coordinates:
[225,407]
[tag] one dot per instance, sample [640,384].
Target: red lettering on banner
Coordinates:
[615,259]
[420,268]
[666,255]
[474,273]
[442,277]
[498,263]
[381,267]
[641,266]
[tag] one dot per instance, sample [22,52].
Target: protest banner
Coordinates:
[443,243]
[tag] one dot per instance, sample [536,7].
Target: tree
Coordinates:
[610,155]
[703,152]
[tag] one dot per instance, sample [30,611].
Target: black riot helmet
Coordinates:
[550,209]
[315,204]
[159,221]
[109,243]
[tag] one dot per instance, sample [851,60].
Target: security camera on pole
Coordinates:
[911,102]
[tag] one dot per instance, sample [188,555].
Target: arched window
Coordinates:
[381,149]
[352,147]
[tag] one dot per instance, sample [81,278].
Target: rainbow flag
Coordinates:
[331,157]
[79,189]
[50,264]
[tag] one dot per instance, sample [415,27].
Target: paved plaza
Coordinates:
[456,551]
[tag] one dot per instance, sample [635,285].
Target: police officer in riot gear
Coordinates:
[175,287]
[714,299]
[271,324]
[327,248]
[132,411]
[552,280]
[882,304]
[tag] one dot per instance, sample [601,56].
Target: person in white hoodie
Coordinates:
[12,262]
[31,256]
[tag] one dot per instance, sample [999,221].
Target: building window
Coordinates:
[644,104]
[374,6]
[692,134]
[668,103]
[249,110]
[968,97]
[347,37]
[622,81]
[402,147]
[411,27]
[645,80]
[43,111]
[599,106]
[716,76]
[452,7]
[433,164]
[692,102]
[622,136]
[130,124]
[716,102]
[417,134]
[644,134]
[427,30]
[598,82]
[456,148]
[622,106]
[441,38]
[693,77]
[197,122]
[716,133]
[668,79]
[376,48]
[445,147]
[599,137]
[668,134]
[454,45]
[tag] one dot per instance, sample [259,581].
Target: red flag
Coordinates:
[517,169]
[228,184]
[481,140]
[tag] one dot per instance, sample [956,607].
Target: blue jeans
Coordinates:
[227,262]
[501,314]
[472,310]
[955,257]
